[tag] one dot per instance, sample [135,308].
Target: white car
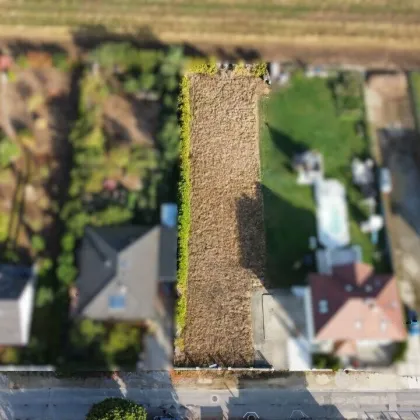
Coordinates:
[385,180]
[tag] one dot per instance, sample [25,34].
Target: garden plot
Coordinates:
[226,246]
[32,103]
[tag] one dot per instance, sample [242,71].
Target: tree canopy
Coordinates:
[116,409]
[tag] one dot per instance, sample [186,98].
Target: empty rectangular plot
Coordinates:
[227,243]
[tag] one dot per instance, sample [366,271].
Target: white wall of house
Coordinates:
[26,304]
[307,299]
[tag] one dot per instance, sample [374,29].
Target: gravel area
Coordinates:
[227,242]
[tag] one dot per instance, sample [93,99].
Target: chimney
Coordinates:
[168,215]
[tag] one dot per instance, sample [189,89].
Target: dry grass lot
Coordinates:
[226,245]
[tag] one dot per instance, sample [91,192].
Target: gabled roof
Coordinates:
[15,312]
[124,264]
[357,304]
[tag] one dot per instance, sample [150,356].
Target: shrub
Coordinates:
[326,361]
[68,242]
[4,226]
[400,351]
[38,243]
[44,296]
[45,266]
[61,61]
[111,216]
[116,409]
[131,85]
[259,69]
[67,274]
[201,66]
[9,151]
[9,356]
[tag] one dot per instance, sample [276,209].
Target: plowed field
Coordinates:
[226,248]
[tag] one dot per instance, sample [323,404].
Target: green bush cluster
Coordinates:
[116,409]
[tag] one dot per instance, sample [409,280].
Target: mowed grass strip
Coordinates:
[226,240]
[304,115]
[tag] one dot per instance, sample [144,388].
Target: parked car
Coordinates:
[385,181]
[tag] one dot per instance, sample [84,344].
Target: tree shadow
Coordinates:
[250,225]
[19,46]
[286,145]
[287,229]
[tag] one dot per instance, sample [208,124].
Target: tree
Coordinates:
[116,409]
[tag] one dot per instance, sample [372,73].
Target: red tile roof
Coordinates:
[361,305]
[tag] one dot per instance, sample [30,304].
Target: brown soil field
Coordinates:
[227,241]
[374,33]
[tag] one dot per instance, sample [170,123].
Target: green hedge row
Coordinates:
[184,211]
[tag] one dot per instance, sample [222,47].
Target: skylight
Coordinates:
[116,302]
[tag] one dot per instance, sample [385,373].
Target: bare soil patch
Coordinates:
[227,242]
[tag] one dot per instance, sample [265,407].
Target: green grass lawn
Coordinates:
[304,115]
[415,84]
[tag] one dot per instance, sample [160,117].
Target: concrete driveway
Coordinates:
[277,316]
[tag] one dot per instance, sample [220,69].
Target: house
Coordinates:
[17,290]
[122,268]
[351,309]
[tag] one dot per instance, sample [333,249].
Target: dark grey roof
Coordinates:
[13,282]
[126,262]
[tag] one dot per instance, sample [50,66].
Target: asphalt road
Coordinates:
[268,404]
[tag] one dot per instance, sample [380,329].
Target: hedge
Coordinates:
[184,218]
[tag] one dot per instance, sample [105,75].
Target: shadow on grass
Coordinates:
[288,229]
[286,145]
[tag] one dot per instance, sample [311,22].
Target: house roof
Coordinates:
[13,282]
[119,270]
[354,303]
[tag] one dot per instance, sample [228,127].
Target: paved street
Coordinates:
[269,404]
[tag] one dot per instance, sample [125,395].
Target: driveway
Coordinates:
[278,318]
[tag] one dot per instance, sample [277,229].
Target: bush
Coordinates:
[326,361]
[37,243]
[400,352]
[68,242]
[61,61]
[4,226]
[116,409]
[111,216]
[44,296]
[67,274]
[9,151]
[201,66]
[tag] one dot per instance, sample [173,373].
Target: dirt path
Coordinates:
[398,148]
[227,240]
